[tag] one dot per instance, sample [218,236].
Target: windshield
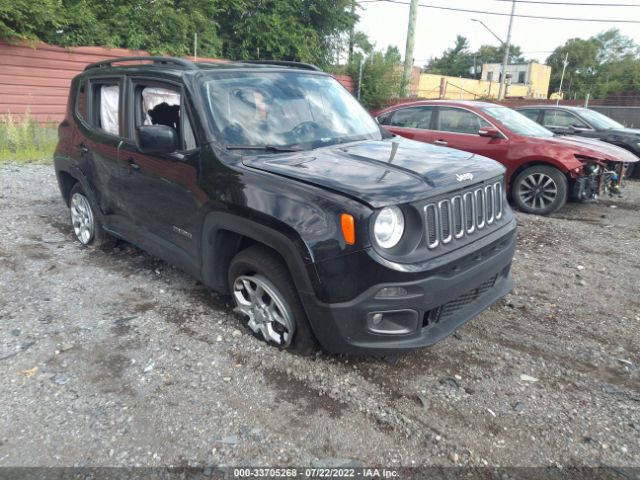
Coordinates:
[285,109]
[517,123]
[598,120]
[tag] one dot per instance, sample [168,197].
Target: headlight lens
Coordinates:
[389,227]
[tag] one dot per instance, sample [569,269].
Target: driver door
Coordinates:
[165,198]
[458,128]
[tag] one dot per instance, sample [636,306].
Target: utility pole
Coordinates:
[195,47]
[564,69]
[408,51]
[505,60]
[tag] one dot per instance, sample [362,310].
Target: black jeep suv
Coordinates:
[269,182]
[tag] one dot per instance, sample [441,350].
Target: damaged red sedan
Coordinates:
[543,170]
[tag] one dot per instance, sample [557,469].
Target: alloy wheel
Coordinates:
[538,191]
[267,310]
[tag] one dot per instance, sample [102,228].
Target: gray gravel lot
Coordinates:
[116,358]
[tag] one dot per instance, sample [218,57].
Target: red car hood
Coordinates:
[597,149]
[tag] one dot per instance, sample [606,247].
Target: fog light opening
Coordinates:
[377,319]
[391,292]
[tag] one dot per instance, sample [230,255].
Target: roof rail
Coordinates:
[284,63]
[156,60]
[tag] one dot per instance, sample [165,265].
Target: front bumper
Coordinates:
[430,308]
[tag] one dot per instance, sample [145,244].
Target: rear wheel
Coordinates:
[84,221]
[266,296]
[540,189]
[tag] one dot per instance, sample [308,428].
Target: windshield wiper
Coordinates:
[266,148]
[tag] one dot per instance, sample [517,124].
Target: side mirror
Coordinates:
[490,133]
[156,139]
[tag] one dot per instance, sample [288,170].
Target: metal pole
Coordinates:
[586,101]
[195,47]
[564,68]
[505,60]
[408,51]
[360,77]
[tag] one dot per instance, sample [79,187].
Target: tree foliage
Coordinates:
[599,66]
[381,75]
[459,60]
[300,30]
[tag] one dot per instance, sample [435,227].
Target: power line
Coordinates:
[484,12]
[578,4]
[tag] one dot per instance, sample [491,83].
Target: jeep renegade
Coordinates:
[270,183]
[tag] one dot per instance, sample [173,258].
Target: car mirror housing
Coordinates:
[156,139]
[490,133]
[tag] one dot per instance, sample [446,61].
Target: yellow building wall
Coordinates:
[540,77]
[465,88]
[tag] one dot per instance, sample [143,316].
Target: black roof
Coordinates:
[181,64]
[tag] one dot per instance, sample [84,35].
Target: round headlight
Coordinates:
[389,227]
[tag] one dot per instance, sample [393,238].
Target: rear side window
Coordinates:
[106,107]
[560,118]
[414,117]
[460,121]
[530,114]
[81,101]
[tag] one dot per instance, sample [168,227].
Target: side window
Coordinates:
[530,114]
[106,107]
[460,121]
[522,77]
[560,118]
[162,105]
[414,117]
[81,100]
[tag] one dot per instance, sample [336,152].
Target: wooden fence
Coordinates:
[35,79]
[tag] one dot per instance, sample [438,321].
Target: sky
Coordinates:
[386,24]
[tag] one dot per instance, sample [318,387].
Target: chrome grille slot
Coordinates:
[480,208]
[469,212]
[458,216]
[433,230]
[490,203]
[463,214]
[444,208]
[498,188]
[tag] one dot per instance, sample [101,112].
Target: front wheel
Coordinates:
[265,294]
[540,190]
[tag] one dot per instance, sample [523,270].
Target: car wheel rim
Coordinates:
[268,313]
[538,191]
[82,218]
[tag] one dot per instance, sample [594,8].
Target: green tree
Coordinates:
[493,54]
[381,75]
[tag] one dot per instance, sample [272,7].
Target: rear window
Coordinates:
[106,107]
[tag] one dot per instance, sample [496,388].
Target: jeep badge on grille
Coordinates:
[461,177]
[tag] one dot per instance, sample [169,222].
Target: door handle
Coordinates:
[82,147]
[132,164]
[441,142]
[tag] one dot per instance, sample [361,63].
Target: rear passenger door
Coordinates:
[164,197]
[101,135]
[458,128]
[410,122]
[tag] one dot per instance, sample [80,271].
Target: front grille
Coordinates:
[463,214]
[448,309]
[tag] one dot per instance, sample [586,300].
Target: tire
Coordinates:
[84,220]
[540,190]
[274,312]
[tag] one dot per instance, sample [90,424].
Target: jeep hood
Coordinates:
[382,172]
[590,147]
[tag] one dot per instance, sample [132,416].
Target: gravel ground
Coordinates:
[116,358]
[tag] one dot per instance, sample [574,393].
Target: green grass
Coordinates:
[22,140]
